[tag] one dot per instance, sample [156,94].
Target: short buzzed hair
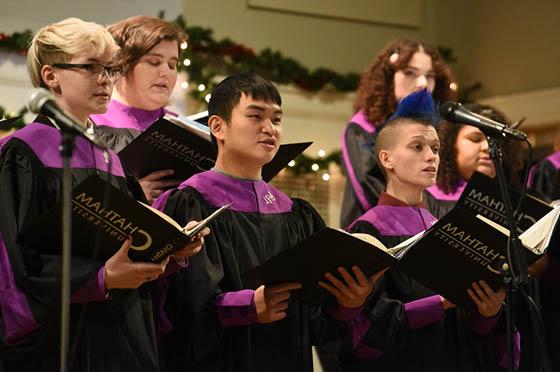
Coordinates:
[390,134]
[416,108]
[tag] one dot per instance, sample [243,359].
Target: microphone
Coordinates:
[40,101]
[456,113]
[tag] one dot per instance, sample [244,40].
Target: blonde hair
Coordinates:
[58,42]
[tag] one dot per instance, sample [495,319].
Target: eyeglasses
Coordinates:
[112,72]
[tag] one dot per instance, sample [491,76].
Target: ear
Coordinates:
[217,127]
[386,160]
[49,77]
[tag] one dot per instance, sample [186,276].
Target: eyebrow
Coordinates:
[160,56]
[417,69]
[262,109]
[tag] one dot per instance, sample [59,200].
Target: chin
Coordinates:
[487,171]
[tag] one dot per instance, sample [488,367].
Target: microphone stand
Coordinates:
[66,151]
[515,270]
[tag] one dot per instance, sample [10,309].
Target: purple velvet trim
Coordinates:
[362,120]
[161,201]
[554,159]
[500,343]
[397,221]
[358,190]
[163,324]
[365,352]
[482,325]
[92,290]
[18,319]
[345,314]
[439,194]
[44,141]
[424,311]
[245,195]
[237,308]
[121,116]
[358,324]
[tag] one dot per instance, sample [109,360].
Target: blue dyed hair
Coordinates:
[418,106]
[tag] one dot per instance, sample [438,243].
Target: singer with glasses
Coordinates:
[117,330]
[149,55]
[112,72]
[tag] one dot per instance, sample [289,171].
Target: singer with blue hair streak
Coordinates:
[412,328]
[118,329]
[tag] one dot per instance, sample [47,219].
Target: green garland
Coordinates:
[210,58]
[17,124]
[303,164]
[205,59]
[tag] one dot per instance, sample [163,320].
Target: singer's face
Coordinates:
[81,92]
[472,153]
[413,160]
[419,74]
[254,132]
[151,82]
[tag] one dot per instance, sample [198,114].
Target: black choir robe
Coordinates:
[438,202]
[364,179]
[261,222]
[544,176]
[117,334]
[422,337]
[121,124]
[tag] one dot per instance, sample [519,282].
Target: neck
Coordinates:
[411,195]
[237,168]
[117,95]
[81,118]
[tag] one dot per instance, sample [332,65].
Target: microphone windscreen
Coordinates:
[37,98]
[447,110]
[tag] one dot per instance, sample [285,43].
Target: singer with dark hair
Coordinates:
[464,150]
[221,324]
[149,56]
[411,327]
[114,313]
[400,68]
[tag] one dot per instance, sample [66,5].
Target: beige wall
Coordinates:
[509,46]
[343,45]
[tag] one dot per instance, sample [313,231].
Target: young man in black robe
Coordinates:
[115,317]
[430,333]
[219,324]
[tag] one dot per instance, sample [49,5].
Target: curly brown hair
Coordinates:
[376,92]
[448,173]
[139,34]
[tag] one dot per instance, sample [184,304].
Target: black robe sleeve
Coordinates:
[545,179]
[198,340]
[117,333]
[365,182]
[448,344]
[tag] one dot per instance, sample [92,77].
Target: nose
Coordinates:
[431,155]
[484,145]
[421,82]
[269,128]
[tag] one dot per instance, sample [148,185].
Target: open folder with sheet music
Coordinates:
[154,234]
[184,145]
[462,247]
